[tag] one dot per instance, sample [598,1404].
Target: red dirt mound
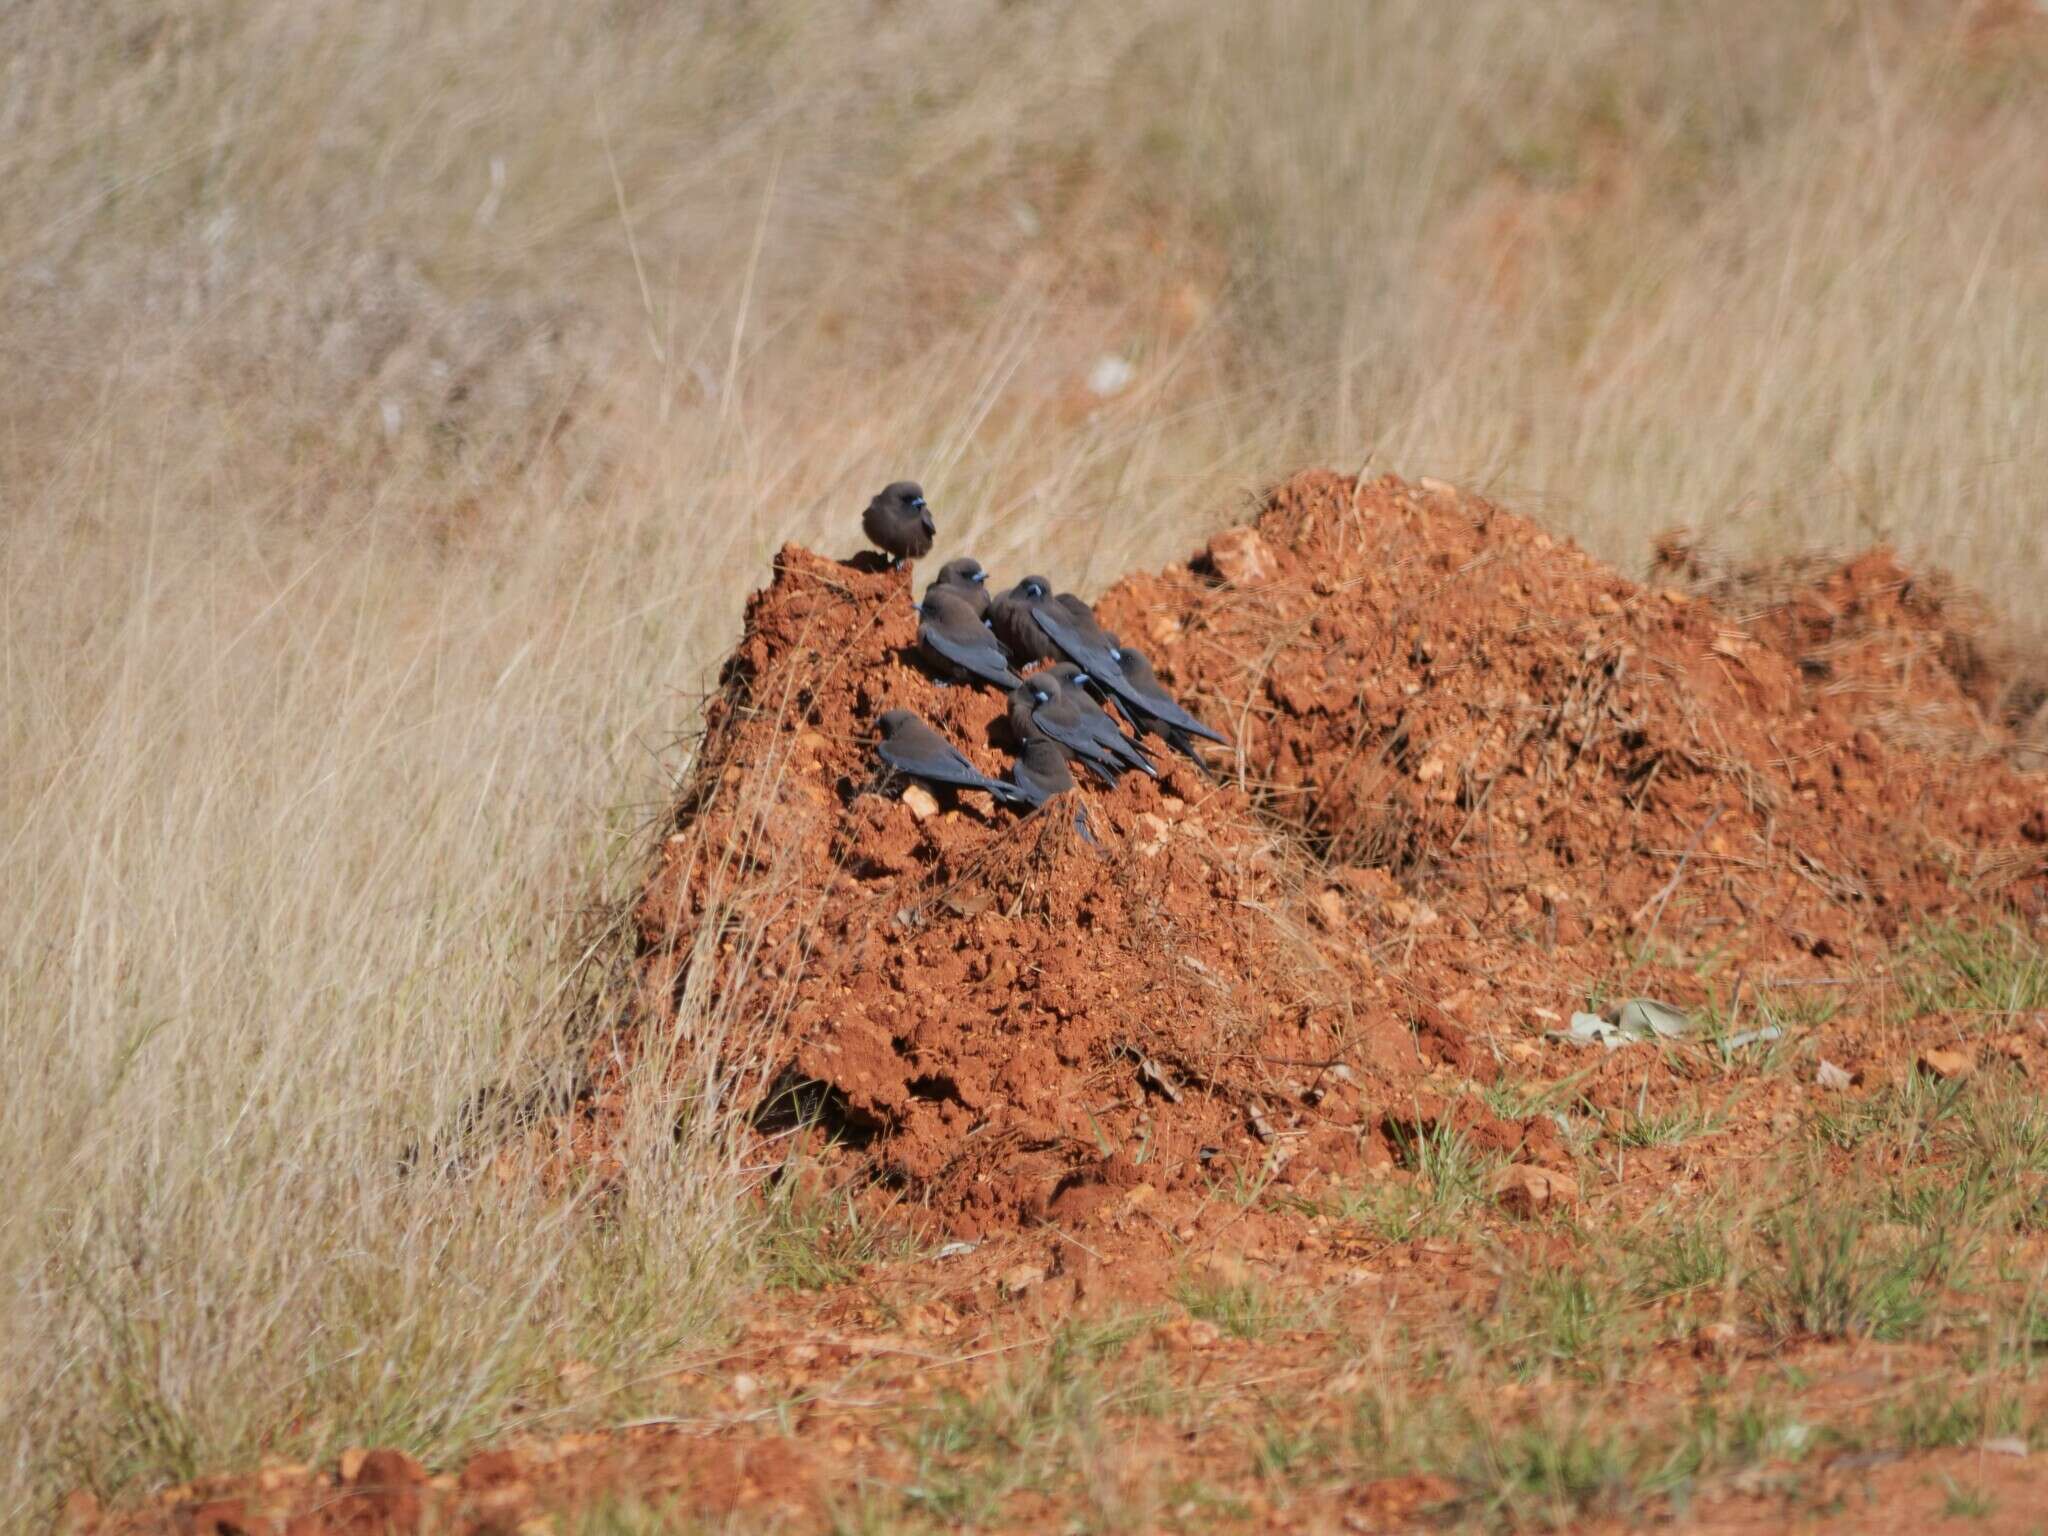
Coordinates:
[1488,778]
[1011,1019]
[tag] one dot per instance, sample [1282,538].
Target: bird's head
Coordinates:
[1034,589]
[906,498]
[894,720]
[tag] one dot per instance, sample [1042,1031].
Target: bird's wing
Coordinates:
[1076,646]
[1027,792]
[1103,732]
[1081,742]
[986,661]
[952,768]
[1159,704]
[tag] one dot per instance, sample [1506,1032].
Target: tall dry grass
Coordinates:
[401,398]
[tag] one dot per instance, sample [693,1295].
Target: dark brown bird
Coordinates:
[1148,706]
[898,522]
[958,644]
[1053,703]
[1041,770]
[1141,684]
[968,579]
[1014,618]
[913,749]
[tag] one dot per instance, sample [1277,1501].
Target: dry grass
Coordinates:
[401,398]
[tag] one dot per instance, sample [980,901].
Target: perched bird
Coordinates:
[898,522]
[1014,618]
[1041,770]
[1152,711]
[957,643]
[1069,625]
[913,749]
[1084,622]
[1143,696]
[968,580]
[1054,704]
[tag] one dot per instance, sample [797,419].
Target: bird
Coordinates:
[913,749]
[968,579]
[1084,620]
[956,642]
[898,522]
[1041,770]
[1069,626]
[1053,703]
[1144,695]
[1156,714]
[1014,618]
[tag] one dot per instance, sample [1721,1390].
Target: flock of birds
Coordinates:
[968,634]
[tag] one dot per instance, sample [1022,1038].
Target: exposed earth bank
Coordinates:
[1223,1122]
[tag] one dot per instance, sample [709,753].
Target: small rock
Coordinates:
[1020,1278]
[1191,1333]
[1833,1078]
[1526,1190]
[1241,557]
[1715,1339]
[1152,832]
[1945,1065]
[921,802]
[744,1386]
[2006,1445]
[1329,908]
[1429,485]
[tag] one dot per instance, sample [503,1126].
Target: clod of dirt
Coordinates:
[1527,777]
[1946,1066]
[384,1491]
[1525,1190]
[1240,557]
